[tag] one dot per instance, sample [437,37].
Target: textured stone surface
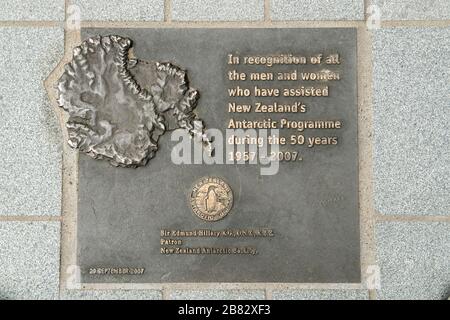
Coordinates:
[414,258]
[217,295]
[111,295]
[411,117]
[30,139]
[317,10]
[320,295]
[225,10]
[39,10]
[414,9]
[29,258]
[118,10]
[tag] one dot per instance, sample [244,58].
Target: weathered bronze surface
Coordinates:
[299,225]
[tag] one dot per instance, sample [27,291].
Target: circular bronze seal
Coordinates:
[211,199]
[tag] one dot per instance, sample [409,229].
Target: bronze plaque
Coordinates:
[215,155]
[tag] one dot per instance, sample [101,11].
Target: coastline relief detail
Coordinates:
[119,107]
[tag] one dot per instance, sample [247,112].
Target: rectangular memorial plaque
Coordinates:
[182,219]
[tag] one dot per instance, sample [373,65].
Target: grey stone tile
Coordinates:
[411,117]
[35,10]
[217,295]
[29,258]
[317,10]
[111,295]
[210,10]
[414,258]
[30,138]
[413,9]
[335,294]
[119,10]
